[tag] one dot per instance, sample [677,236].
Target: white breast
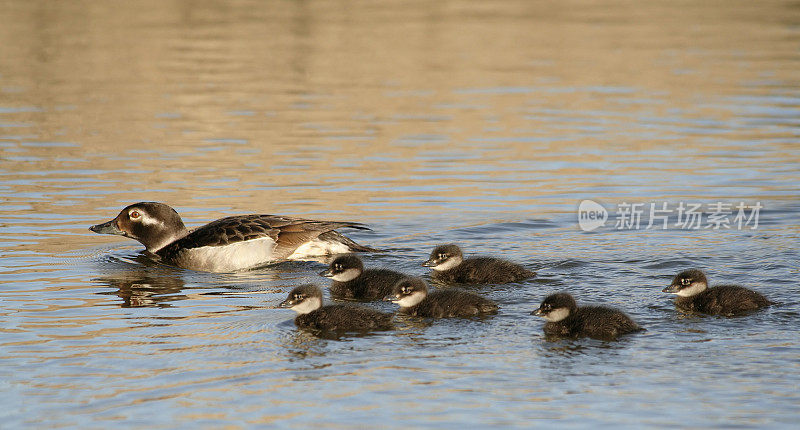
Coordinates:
[250,254]
[229,258]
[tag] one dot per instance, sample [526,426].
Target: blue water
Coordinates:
[484,124]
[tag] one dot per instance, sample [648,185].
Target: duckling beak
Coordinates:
[430,263]
[109,227]
[390,298]
[537,312]
[288,303]
[671,289]
[326,273]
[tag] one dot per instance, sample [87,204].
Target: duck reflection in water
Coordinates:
[143,288]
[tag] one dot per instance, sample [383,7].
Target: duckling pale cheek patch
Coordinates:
[307,305]
[556,315]
[410,300]
[345,276]
[449,264]
[695,288]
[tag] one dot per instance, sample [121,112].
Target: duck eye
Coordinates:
[686,281]
[442,256]
[134,214]
[337,267]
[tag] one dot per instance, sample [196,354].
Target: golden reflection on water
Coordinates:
[380,109]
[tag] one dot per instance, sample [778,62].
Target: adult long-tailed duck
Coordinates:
[229,244]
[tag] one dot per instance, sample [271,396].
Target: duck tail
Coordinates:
[335,236]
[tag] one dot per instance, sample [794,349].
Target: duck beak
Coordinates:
[671,289]
[109,227]
[390,298]
[429,263]
[537,312]
[326,273]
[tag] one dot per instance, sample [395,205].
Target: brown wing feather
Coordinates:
[288,232]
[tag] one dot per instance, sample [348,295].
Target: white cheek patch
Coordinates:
[231,257]
[693,289]
[556,315]
[307,305]
[317,247]
[346,276]
[411,299]
[449,264]
[147,220]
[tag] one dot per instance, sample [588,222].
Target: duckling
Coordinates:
[694,295]
[351,281]
[565,319]
[450,267]
[412,295]
[229,244]
[306,300]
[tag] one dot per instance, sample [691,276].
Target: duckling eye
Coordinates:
[298,296]
[337,267]
[442,256]
[686,281]
[134,214]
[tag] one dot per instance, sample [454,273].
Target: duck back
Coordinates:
[724,300]
[483,270]
[344,318]
[372,284]
[597,322]
[451,303]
